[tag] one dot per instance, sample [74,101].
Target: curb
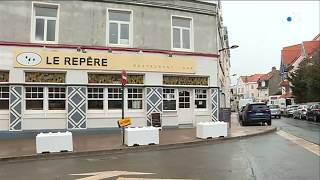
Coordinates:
[123,150]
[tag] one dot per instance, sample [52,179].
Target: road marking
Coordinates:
[314,148]
[122,178]
[106,174]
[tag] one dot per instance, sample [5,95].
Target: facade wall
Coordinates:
[84,23]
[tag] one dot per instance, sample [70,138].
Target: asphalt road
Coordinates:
[262,157]
[307,130]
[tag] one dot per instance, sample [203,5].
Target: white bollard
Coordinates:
[213,129]
[141,136]
[54,142]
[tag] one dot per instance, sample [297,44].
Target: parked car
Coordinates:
[275,110]
[256,112]
[300,112]
[289,110]
[313,112]
[240,112]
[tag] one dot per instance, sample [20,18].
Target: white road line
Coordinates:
[123,178]
[106,174]
[314,148]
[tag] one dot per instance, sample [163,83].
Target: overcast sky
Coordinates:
[261,29]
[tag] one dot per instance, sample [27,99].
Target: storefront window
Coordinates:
[34,98]
[114,98]
[57,98]
[169,99]
[200,98]
[4,97]
[95,98]
[135,97]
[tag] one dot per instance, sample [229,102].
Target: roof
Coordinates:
[317,37]
[287,95]
[252,78]
[290,54]
[284,83]
[268,76]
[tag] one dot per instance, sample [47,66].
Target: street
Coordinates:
[261,157]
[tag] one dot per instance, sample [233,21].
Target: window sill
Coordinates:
[182,49]
[170,110]
[45,42]
[119,45]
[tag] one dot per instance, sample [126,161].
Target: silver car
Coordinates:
[275,111]
[300,112]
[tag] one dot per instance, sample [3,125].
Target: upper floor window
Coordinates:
[181,33]
[45,23]
[119,27]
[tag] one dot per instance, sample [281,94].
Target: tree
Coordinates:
[305,80]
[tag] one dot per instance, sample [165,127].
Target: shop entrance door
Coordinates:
[185,111]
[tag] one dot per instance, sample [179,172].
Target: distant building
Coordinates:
[247,87]
[268,85]
[291,57]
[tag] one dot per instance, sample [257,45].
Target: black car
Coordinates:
[313,112]
[256,112]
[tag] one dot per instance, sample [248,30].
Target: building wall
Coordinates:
[84,23]
[274,83]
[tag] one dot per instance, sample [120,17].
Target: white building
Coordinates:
[57,73]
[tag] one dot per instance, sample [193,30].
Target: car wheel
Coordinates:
[269,122]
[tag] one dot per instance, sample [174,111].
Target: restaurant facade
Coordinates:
[55,78]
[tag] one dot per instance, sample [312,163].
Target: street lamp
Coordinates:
[232,47]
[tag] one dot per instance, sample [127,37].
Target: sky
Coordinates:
[261,30]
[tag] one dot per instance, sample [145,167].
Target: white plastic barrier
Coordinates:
[212,129]
[141,136]
[54,142]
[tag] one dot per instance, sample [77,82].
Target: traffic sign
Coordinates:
[124,77]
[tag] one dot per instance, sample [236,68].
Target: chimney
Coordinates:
[274,68]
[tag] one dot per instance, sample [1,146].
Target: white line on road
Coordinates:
[314,148]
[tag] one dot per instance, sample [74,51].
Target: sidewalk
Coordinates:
[15,148]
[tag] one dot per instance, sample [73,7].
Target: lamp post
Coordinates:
[223,84]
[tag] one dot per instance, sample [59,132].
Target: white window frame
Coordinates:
[33,23]
[195,98]
[181,28]
[107,92]
[47,98]
[120,22]
[103,99]
[175,98]
[2,98]
[44,104]
[137,99]
[45,108]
